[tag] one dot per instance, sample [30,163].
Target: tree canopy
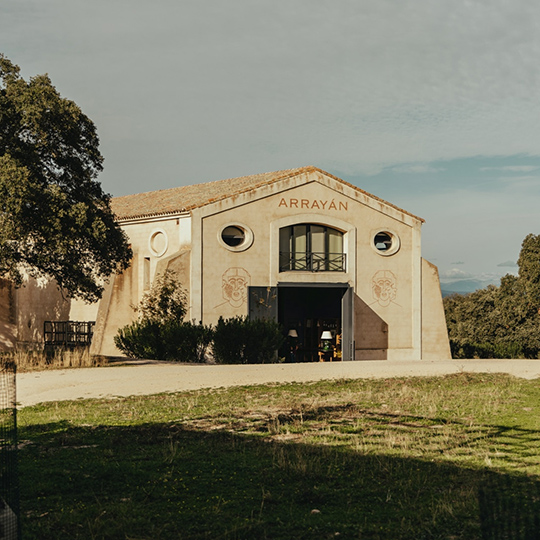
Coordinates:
[55,220]
[502,321]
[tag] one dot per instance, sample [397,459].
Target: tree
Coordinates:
[165,301]
[160,333]
[55,220]
[502,321]
[529,271]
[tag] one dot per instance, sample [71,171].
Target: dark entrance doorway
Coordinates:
[309,311]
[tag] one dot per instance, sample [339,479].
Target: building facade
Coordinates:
[300,246]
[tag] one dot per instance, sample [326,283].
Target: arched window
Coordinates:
[311,247]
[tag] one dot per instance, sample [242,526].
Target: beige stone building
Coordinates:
[300,246]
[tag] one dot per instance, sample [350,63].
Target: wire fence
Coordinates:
[9,479]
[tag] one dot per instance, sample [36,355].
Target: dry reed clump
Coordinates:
[60,358]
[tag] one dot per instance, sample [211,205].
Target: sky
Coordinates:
[432,105]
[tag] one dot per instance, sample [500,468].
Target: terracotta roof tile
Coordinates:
[185,198]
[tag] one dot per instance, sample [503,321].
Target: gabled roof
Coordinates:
[185,198]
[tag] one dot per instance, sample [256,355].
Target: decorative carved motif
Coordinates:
[235,283]
[384,287]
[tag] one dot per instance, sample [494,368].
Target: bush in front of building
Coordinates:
[141,339]
[170,340]
[233,341]
[186,342]
[240,340]
[160,333]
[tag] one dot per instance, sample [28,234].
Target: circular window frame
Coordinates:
[248,237]
[154,251]
[393,249]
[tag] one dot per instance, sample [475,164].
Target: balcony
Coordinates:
[68,333]
[311,262]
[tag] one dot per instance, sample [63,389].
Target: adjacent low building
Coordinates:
[300,246]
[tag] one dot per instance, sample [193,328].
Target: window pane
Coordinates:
[310,247]
[284,249]
[285,240]
[317,239]
[233,236]
[300,238]
[335,241]
[383,241]
[299,247]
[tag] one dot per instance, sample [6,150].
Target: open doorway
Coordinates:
[309,316]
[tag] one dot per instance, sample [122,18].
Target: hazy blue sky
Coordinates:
[433,105]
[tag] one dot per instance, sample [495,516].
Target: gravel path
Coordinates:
[144,378]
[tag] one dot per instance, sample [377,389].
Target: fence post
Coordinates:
[10,522]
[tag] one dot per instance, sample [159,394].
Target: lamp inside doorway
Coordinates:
[326,340]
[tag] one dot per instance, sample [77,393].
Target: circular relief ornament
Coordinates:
[386,242]
[158,242]
[236,237]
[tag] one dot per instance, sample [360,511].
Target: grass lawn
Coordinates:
[402,458]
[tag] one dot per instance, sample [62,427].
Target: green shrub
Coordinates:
[165,301]
[490,350]
[243,341]
[172,340]
[186,342]
[141,339]
[161,334]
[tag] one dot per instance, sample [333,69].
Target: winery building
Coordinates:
[299,246]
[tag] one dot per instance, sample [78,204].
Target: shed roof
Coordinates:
[185,198]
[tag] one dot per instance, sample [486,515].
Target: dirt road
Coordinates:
[143,378]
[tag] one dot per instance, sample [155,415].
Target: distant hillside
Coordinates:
[464,286]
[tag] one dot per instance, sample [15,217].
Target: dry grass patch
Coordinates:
[39,360]
[403,458]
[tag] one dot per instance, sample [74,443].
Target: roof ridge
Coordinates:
[214,182]
[189,197]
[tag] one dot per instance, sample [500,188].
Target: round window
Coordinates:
[386,243]
[233,236]
[158,242]
[236,237]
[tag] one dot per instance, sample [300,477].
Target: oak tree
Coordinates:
[55,219]
[500,321]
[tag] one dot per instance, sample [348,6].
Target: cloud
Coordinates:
[469,280]
[455,274]
[267,85]
[416,169]
[512,168]
[458,262]
[510,264]
[519,179]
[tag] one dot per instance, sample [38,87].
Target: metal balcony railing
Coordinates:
[68,333]
[311,262]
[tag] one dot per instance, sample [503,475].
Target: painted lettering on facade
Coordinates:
[314,204]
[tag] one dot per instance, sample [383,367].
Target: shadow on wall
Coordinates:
[37,301]
[370,333]
[179,264]
[115,310]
